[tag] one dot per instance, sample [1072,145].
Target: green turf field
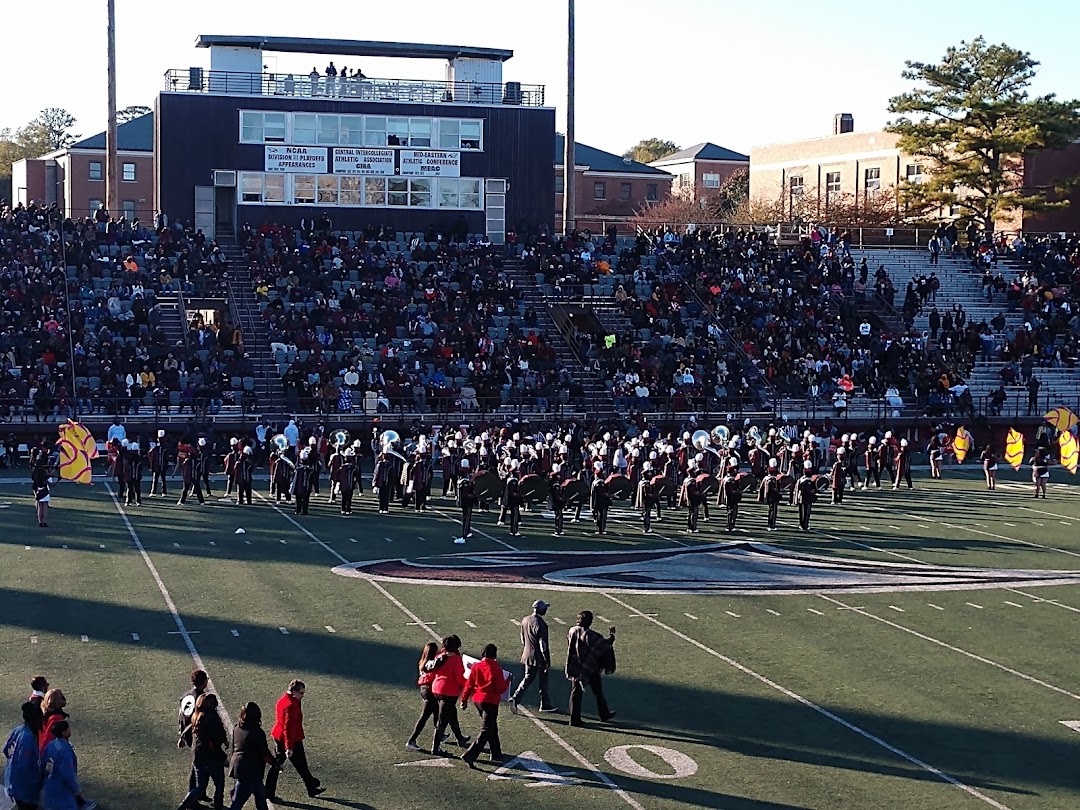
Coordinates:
[894,699]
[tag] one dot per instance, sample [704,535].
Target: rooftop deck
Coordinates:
[199,80]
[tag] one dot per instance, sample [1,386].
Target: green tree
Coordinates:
[734,193]
[131,113]
[971,118]
[650,149]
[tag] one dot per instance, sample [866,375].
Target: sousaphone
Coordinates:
[339,439]
[281,444]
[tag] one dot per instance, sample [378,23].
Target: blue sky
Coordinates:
[734,72]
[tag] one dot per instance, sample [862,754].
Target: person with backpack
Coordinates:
[250,756]
[587,655]
[199,682]
[24,759]
[208,755]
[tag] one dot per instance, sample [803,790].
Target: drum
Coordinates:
[821,482]
[576,492]
[487,485]
[747,481]
[619,487]
[787,484]
[533,488]
[662,486]
[707,484]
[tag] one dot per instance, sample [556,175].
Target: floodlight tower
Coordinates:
[569,176]
[112,188]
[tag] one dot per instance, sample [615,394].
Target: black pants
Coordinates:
[646,517]
[874,473]
[692,517]
[773,509]
[192,487]
[243,492]
[429,712]
[303,498]
[705,507]
[204,773]
[838,493]
[384,498]
[466,520]
[206,483]
[558,510]
[804,516]
[420,500]
[540,675]
[903,476]
[346,501]
[577,692]
[447,717]
[159,477]
[515,518]
[134,492]
[732,515]
[489,733]
[601,519]
[299,762]
[315,483]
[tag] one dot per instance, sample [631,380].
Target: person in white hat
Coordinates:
[769,493]
[558,496]
[806,494]
[467,500]
[870,463]
[732,492]
[158,466]
[203,465]
[536,656]
[903,465]
[133,472]
[243,474]
[837,476]
[187,459]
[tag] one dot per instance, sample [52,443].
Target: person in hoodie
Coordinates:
[207,752]
[60,767]
[24,759]
[449,680]
[486,685]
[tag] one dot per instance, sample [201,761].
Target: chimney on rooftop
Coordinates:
[843,122]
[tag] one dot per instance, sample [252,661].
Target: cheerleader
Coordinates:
[989,465]
[935,452]
[1040,471]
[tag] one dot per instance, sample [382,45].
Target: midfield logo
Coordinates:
[741,568]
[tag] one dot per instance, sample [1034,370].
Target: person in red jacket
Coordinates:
[485,686]
[288,734]
[431,703]
[449,680]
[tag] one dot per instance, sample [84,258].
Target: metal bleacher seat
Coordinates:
[249,383]
[235,382]
[174,399]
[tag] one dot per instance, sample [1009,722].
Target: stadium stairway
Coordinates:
[172,322]
[961,285]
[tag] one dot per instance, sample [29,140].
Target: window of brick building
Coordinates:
[624,192]
[599,191]
[652,192]
[96,169]
[129,173]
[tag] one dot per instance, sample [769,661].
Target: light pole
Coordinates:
[112,188]
[569,175]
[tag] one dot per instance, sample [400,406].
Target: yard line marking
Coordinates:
[897,609]
[1064,523]
[971,655]
[247,542]
[1073,724]
[181,629]
[935,607]
[419,623]
[176,545]
[84,638]
[330,629]
[515,621]
[733,615]
[577,755]
[690,616]
[388,539]
[1003,537]
[972,604]
[471,624]
[213,543]
[1007,602]
[352,539]
[284,631]
[378,629]
[921,526]
[1035,521]
[897,528]
[134,636]
[28,548]
[33,639]
[601,618]
[819,709]
[178,633]
[101,546]
[235,633]
[453,519]
[1053,602]
[1011,525]
[817,612]
[280,541]
[559,621]
[418,537]
[1048,514]
[773,612]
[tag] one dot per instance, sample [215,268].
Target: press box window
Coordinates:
[303,189]
[251,187]
[129,173]
[262,127]
[95,169]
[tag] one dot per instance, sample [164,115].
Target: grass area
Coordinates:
[832,700]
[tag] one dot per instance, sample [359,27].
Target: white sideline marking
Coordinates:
[33,639]
[820,710]
[816,612]
[235,633]
[471,624]
[1007,602]
[1048,514]
[689,616]
[28,548]
[585,763]
[1010,525]
[176,545]
[773,612]
[972,604]
[733,615]
[897,528]
[559,621]
[897,609]
[601,618]
[947,646]
[134,636]
[1003,537]
[935,607]
[1053,602]
[84,638]
[101,546]
[284,631]
[330,629]
[377,628]
[1073,724]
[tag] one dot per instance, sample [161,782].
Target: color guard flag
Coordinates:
[1062,418]
[77,449]
[1070,451]
[961,444]
[1014,448]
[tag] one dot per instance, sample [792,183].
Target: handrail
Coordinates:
[360,88]
[182,310]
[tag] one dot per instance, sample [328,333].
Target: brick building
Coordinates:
[702,168]
[74,178]
[608,185]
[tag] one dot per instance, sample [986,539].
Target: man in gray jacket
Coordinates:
[536,656]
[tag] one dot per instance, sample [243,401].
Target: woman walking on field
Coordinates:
[431,702]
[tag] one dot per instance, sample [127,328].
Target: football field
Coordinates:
[915,650]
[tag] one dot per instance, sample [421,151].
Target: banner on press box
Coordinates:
[286,159]
[429,163]
[377,162]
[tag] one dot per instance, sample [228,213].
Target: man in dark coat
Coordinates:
[587,655]
[536,656]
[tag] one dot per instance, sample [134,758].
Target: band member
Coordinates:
[851,462]
[133,471]
[935,451]
[600,503]
[382,481]
[243,473]
[903,465]
[281,475]
[512,500]
[303,481]
[558,497]
[315,460]
[769,493]
[732,494]
[447,460]
[202,466]
[871,465]
[1040,470]
[692,493]
[358,457]
[989,465]
[187,461]
[466,495]
[156,459]
[583,475]
[837,476]
[229,463]
[647,497]
[345,480]
[885,458]
[333,467]
[418,482]
[805,495]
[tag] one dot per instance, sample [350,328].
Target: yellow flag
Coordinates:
[1014,448]
[961,444]
[1062,418]
[77,449]
[1070,451]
